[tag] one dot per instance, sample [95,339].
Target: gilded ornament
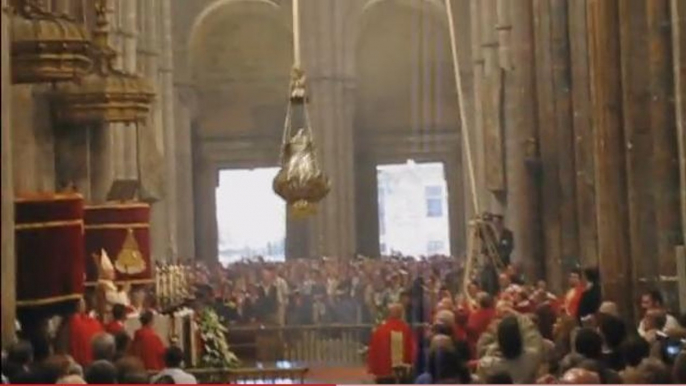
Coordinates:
[106,94]
[130,259]
[47,47]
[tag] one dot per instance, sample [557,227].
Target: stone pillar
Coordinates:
[678,12]
[324,60]
[609,148]
[166,82]
[8,254]
[522,196]
[183,112]
[367,206]
[205,178]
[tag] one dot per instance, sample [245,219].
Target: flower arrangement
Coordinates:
[216,352]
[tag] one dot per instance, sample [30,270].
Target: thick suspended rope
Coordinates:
[460,101]
[296,34]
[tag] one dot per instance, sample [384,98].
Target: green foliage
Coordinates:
[216,352]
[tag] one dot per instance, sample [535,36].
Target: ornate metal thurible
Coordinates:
[47,47]
[300,181]
[106,94]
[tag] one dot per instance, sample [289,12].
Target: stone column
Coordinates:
[183,112]
[324,60]
[8,253]
[367,206]
[609,148]
[520,131]
[166,82]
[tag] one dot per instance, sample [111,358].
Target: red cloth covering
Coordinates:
[82,329]
[379,355]
[114,327]
[49,249]
[478,323]
[572,300]
[148,347]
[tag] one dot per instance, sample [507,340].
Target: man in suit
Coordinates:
[504,238]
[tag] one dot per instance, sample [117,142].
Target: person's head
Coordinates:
[446,318]
[577,376]
[128,365]
[119,312]
[395,311]
[609,308]
[20,353]
[498,221]
[652,371]
[442,341]
[147,318]
[592,275]
[101,372]
[542,286]
[655,319]
[55,367]
[485,300]
[652,300]
[72,379]
[81,306]
[679,371]
[510,338]
[445,366]
[473,288]
[122,340]
[634,350]
[613,330]
[588,343]
[165,380]
[138,297]
[499,378]
[173,357]
[103,347]
[504,281]
[574,277]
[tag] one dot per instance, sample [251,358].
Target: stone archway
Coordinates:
[239,56]
[406,104]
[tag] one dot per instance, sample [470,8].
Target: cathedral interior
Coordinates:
[566,117]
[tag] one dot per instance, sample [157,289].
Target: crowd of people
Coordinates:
[524,334]
[428,329]
[96,354]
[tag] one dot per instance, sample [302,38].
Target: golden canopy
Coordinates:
[46,47]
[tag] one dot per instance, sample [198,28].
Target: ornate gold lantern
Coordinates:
[47,47]
[106,94]
[300,181]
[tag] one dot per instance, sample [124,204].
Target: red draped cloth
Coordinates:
[148,347]
[82,329]
[572,299]
[379,355]
[114,327]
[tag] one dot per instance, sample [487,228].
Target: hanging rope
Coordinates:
[296,34]
[460,101]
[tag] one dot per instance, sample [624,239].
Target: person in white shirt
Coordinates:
[173,359]
[653,301]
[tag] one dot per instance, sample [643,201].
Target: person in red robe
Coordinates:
[480,320]
[391,346]
[119,312]
[573,296]
[81,328]
[147,345]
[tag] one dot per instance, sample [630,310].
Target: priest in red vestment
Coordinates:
[119,312]
[573,296]
[391,346]
[480,319]
[81,330]
[147,345]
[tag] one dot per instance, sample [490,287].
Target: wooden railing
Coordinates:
[315,345]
